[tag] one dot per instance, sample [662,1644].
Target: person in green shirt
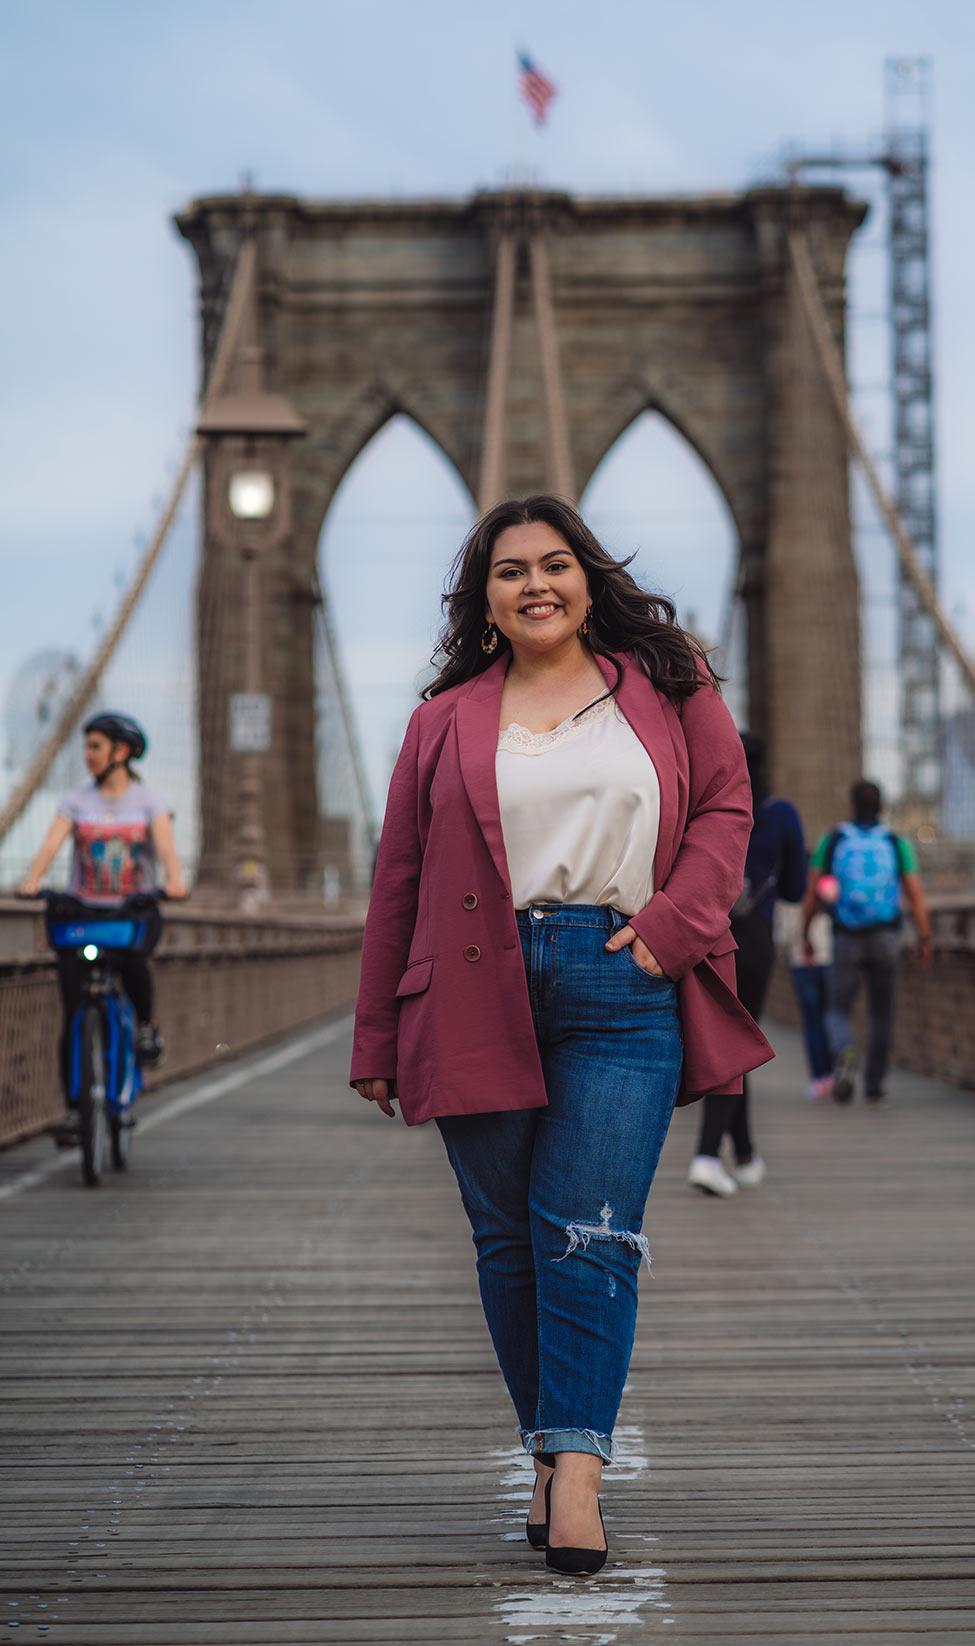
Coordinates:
[861,872]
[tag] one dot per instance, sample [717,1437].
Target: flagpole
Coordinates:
[534,88]
[516,177]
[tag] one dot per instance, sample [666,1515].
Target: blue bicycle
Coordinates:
[104,1077]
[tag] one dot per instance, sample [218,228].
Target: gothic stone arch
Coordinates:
[524,332]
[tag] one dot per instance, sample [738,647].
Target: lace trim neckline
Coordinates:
[517,739]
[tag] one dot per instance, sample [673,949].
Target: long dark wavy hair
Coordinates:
[624,616]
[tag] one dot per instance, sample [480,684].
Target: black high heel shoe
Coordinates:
[536,1534]
[574,1562]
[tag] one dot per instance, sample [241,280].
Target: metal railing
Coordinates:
[934,1026]
[224,982]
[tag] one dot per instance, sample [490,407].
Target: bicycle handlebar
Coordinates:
[135,900]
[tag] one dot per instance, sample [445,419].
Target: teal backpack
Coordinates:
[865,860]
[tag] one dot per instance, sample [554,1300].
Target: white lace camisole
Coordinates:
[580,810]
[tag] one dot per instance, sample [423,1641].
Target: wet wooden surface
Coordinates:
[248,1395]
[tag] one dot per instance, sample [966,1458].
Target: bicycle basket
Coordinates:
[102,934]
[133,926]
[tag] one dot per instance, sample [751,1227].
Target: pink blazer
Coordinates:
[443,1004]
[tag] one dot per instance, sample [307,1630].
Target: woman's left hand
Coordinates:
[641,954]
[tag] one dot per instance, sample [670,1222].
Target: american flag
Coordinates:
[535,87]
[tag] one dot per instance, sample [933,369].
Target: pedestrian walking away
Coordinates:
[775,867]
[862,873]
[548,966]
[811,955]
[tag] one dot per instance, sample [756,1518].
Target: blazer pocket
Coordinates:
[416,977]
[725,944]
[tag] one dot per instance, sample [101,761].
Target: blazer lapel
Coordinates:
[478,721]
[643,707]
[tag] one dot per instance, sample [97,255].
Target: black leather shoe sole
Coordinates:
[575,1562]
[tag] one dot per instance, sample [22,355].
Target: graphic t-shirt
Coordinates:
[113,851]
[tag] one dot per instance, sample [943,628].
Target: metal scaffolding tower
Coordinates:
[903,159]
[908,88]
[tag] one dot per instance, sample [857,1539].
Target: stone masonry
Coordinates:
[686,306]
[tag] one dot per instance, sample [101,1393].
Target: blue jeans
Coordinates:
[556,1195]
[810,984]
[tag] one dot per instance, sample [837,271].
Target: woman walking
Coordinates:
[775,868]
[547,963]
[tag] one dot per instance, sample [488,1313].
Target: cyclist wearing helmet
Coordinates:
[120,830]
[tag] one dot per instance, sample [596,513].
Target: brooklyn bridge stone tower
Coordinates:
[523,331]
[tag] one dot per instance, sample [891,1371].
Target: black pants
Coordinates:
[754,960]
[133,969]
[872,958]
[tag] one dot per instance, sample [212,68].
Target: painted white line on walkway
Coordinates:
[209,1093]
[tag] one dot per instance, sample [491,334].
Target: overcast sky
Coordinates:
[116,114]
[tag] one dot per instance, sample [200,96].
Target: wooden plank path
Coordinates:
[248,1396]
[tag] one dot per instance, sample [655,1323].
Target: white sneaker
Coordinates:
[751,1174]
[707,1173]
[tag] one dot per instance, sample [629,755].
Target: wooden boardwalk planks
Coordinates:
[249,1395]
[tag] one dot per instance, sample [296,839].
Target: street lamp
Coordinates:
[250,433]
[250,494]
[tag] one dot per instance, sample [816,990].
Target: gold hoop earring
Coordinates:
[489,639]
[584,625]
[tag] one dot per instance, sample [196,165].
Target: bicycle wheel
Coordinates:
[91,1101]
[121,1138]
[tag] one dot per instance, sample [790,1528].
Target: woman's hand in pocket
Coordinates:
[378,1091]
[641,954]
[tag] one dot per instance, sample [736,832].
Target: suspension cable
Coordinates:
[345,709]
[829,359]
[237,303]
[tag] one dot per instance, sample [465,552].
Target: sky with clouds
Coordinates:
[115,114]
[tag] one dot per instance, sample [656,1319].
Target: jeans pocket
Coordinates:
[649,977]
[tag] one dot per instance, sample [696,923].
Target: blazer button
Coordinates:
[472,952]
[470,900]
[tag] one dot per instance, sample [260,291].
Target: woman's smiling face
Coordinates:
[536,589]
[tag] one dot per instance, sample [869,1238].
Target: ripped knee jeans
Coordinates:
[556,1195]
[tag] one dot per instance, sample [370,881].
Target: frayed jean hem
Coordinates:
[544,1443]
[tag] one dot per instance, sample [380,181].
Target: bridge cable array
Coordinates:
[87,682]
[829,358]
